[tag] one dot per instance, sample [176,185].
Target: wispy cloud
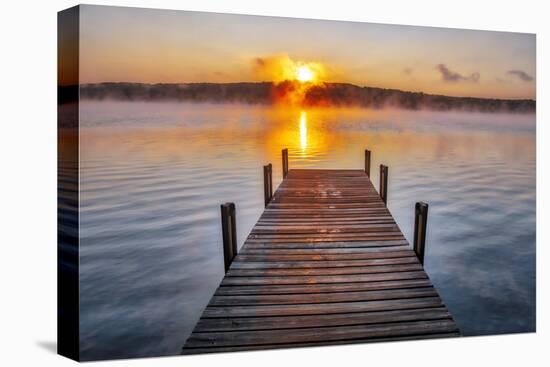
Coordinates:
[522,75]
[452,76]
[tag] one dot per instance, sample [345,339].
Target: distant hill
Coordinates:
[326,94]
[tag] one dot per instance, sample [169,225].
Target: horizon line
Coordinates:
[326,82]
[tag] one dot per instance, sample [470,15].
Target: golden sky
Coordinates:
[120,44]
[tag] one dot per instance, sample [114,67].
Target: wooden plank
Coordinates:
[278,299]
[348,207]
[324,257]
[322,245]
[286,322]
[321,238]
[322,221]
[190,351]
[325,271]
[352,278]
[314,251]
[321,308]
[241,338]
[326,229]
[323,288]
[321,265]
[317,223]
[326,210]
[283,237]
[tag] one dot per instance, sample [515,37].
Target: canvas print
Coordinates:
[237,182]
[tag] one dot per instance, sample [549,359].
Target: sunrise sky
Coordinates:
[152,46]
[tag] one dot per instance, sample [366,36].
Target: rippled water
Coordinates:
[153,176]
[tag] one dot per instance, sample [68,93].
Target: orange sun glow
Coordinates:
[280,68]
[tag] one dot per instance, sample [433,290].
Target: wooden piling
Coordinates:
[384,183]
[285,162]
[268,184]
[229,234]
[367,162]
[420,224]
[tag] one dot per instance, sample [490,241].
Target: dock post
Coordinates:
[420,223]
[229,234]
[367,162]
[384,183]
[285,163]
[268,184]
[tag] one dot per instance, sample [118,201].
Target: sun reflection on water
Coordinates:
[303,131]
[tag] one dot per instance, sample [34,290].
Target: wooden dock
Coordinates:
[326,264]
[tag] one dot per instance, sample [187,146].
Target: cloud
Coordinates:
[452,76]
[522,75]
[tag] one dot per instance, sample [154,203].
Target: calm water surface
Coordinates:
[153,176]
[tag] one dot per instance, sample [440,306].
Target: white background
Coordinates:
[28,183]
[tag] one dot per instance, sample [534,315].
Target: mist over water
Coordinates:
[154,174]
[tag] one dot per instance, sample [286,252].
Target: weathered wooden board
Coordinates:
[325,264]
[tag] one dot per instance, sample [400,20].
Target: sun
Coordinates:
[304,74]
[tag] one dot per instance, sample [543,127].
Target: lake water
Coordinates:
[154,174]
